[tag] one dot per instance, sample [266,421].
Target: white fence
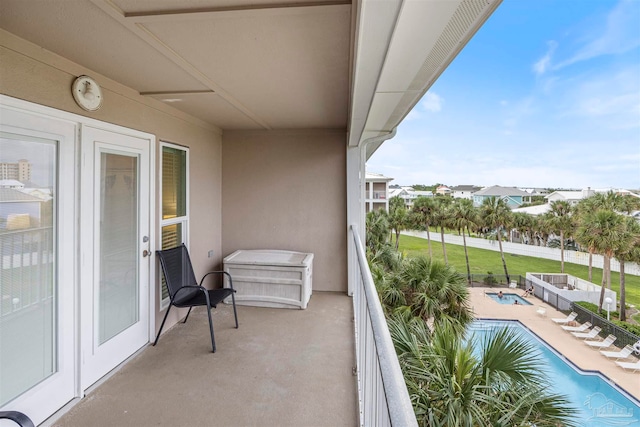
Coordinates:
[576,289]
[574,257]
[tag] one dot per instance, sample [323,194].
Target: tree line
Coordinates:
[599,224]
[453,378]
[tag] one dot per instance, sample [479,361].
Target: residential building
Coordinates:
[20,170]
[11,183]
[465,191]
[443,190]
[574,196]
[571,196]
[534,210]
[243,125]
[19,210]
[408,194]
[511,195]
[376,192]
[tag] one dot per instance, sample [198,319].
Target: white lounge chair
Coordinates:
[567,319]
[633,366]
[587,335]
[541,311]
[513,285]
[581,328]
[610,339]
[622,354]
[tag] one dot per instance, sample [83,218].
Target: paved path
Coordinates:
[572,348]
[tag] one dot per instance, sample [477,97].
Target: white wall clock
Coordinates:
[87,93]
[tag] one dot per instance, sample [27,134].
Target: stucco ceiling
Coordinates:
[261,64]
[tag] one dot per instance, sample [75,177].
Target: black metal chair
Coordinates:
[18,417]
[185,291]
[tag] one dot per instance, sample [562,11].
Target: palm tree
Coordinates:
[423,210]
[434,291]
[523,222]
[628,250]
[496,215]
[609,201]
[559,221]
[606,228]
[450,384]
[464,216]
[377,227]
[441,219]
[397,217]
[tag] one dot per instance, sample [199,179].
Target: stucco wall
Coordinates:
[35,75]
[287,190]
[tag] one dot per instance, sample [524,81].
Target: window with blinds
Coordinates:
[175,218]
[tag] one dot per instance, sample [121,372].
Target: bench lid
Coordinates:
[270,257]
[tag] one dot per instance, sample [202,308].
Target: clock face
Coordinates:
[87,93]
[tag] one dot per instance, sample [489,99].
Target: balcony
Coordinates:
[281,367]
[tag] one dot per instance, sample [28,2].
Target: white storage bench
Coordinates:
[270,278]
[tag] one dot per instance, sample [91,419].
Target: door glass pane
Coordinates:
[118,293]
[28,288]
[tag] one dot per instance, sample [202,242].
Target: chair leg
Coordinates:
[162,325]
[213,341]
[187,316]
[235,314]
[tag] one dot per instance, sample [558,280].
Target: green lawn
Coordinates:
[481,261]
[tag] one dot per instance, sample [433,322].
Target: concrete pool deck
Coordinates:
[572,348]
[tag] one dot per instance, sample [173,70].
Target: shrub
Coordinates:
[634,329]
[614,315]
[594,309]
[490,280]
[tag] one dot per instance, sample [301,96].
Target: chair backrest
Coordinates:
[178,272]
[610,339]
[595,331]
[572,316]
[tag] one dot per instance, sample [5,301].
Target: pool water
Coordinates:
[509,299]
[599,402]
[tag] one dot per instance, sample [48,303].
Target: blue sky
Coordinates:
[547,94]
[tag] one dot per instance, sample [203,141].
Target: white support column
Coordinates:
[355,207]
[356,174]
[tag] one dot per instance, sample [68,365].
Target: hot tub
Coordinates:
[270,278]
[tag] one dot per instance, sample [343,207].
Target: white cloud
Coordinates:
[430,103]
[543,64]
[616,35]
[611,97]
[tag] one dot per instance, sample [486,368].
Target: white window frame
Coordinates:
[184,220]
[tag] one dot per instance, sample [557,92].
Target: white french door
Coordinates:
[115,249]
[75,243]
[37,263]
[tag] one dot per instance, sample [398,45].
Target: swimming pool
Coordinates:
[509,299]
[600,403]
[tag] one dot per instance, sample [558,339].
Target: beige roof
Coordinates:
[11,195]
[497,190]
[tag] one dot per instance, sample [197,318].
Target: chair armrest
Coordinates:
[218,272]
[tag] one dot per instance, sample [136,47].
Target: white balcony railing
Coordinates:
[382,392]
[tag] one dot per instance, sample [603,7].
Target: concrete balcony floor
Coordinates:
[280,368]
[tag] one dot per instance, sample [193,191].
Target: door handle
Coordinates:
[145,253]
